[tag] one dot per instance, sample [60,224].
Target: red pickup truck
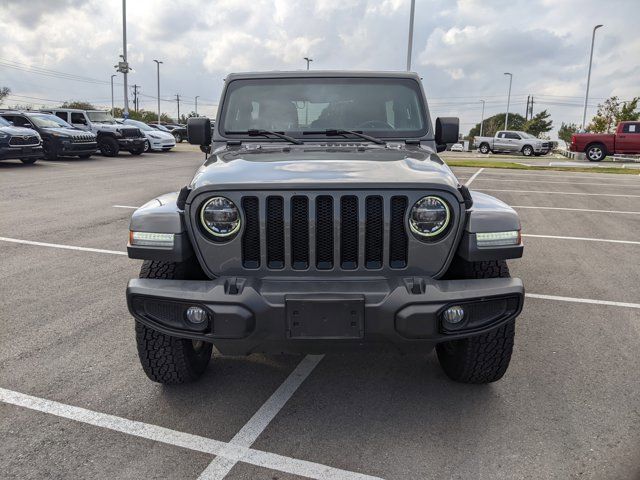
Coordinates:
[596,146]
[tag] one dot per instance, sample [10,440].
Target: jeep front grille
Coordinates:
[325,231]
[131,132]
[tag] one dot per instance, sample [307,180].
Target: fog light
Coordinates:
[453,314]
[197,315]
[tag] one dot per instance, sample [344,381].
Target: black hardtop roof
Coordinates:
[322,74]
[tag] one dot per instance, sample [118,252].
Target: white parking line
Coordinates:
[574,209]
[559,193]
[125,206]
[222,465]
[64,247]
[583,300]
[473,177]
[167,436]
[552,174]
[598,184]
[587,239]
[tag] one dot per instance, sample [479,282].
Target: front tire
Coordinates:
[596,152]
[178,137]
[166,359]
[28,161]
[482,358]
[50,150]
[527,150]
[137,151]
[108,146]
[484,149]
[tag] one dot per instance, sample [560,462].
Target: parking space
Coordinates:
[568,406]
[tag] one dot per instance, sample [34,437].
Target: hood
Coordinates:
[325,166]
[160,134]
[18,131]
[69,132]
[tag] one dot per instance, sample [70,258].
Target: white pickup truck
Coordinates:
[509,141]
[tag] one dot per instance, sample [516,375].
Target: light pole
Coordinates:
[410,43]
[482,118]
[197,96]
[158,62]
[124,58]
[309,60]
[586,97]
[112,104]
[506,118]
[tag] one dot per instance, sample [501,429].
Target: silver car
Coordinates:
[510,141]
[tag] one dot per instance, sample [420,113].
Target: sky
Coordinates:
[57,50]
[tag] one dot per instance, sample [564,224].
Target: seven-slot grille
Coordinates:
[23,140]
[131,132]
[325,232]
[83,139]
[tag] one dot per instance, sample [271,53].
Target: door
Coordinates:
[63,115]
[628,141]
[513,142]
[501,142]
[79,120]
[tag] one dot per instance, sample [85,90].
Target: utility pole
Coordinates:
[112,104]
[125,66]
[482,118]
[178,100]
[158,62]
[526,111]
[506,118]
[531,108]
[309,60]
[136,98]
[586,97]
[410,42]
[197,96]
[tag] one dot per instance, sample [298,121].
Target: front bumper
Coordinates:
[161,144]
[75,149]
[131,143]
[8,153]
[263,315]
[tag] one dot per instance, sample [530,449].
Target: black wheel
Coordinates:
[28,161]
[166,359]
[482,358]
[484,148]
[85,156]
[108,146]
[50,150]
[527,150]
[178,137]
[596,152]
[137,151]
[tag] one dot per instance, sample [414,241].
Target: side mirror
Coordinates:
[447,130]
[199,131]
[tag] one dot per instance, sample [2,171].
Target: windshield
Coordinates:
[526,135]
[384,107]
[49,121]
[140,125]
[162,127]
[101,117]
[4,123]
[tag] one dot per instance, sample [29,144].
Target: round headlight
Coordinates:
[429,217]
[220,217]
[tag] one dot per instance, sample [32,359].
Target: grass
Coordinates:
[519,166]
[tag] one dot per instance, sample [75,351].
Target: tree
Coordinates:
[145,116]
[565,132]
[611,112]
[78,104]
[493,124]
[4,93]
[539,124]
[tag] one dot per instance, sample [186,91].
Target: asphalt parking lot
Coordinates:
[74,402]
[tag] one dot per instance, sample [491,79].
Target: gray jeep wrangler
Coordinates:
[323,219]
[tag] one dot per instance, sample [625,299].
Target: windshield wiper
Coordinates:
[333,132]
[264,133]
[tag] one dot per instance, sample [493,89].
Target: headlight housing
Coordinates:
[220,218]
[429,217]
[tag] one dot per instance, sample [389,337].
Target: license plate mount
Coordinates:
[325,317]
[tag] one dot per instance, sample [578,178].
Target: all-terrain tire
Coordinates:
[108,146]
[482,358]
[164,358]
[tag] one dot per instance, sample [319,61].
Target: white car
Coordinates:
[457,147]
[157,140]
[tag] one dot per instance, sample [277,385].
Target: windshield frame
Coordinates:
[90,112]
[386,135]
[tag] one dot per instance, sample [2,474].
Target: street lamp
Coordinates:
[158,62]
[586,97]
[506,118]
[125,66]
[112,104]
[197,96]
[410,43]
[482,118]
[309,60]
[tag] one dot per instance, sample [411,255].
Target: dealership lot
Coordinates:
[76,404]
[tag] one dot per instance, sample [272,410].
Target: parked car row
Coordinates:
[63,132]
